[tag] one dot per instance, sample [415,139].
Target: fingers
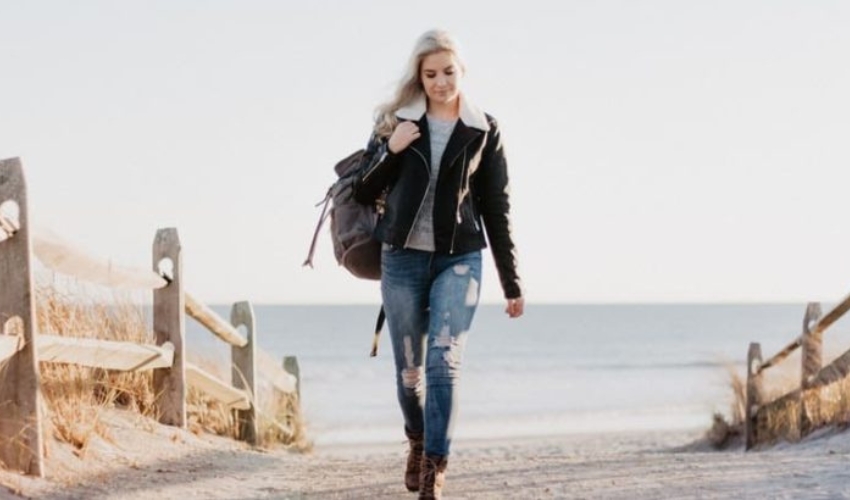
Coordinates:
[409,127]
[403,135]
[515,307]
[408,131]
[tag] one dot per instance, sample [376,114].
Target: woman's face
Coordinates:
[440,76]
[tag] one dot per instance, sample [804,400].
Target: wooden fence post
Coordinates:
[20,415]
[169,325]
[290,365]
[812,362]
[753,394]
[244,371]
[812,345]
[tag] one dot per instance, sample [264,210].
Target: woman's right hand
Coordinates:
[403,135]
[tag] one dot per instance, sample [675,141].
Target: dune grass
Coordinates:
[780,417]
[75,397]
[726,432]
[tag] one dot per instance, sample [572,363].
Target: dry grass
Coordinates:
[789,414]
[280,420]
[75,397]
[827,406]
[725,433]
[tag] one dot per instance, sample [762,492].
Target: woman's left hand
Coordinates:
[515,307]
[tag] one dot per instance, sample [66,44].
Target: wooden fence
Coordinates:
[22,347]
[797,413]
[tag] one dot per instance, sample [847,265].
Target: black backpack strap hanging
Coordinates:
[379,325]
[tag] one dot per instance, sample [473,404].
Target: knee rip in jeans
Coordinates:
[452,348]
[411,378]
[408,350]
[452,358]
[444,338]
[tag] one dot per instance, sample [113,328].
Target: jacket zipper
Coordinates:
[374,167]
[422,201]
[458,219]
[460,190]
[472,210]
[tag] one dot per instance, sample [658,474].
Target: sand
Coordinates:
[147,461]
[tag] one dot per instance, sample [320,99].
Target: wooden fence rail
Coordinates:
[803,402]
[21,349]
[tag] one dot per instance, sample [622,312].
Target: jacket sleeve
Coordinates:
[376,171]
[493,200]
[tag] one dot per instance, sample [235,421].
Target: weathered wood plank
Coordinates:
[811,363]
[812,358]
[60,255]
[10,345]
[244,370]
[831,317]
[778,419]
[213,322]
[781,355]
[272,373]
[754,395]
[20,425]
[107,354]
[215,387]
[833,372]
[169,325]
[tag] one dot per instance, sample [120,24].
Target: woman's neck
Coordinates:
[445,111]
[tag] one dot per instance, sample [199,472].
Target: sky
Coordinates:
[659,151]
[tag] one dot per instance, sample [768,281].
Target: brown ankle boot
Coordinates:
[414,460]
[432,477]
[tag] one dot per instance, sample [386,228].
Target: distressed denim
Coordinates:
[429,299]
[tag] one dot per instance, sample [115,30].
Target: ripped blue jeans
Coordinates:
[429,299]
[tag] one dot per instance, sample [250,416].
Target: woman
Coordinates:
[437,165]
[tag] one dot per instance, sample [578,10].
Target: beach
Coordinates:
[575,402]
[151,461]
[635,174]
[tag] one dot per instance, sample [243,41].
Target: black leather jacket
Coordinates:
[472,187]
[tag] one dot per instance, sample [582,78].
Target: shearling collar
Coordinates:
[470,114]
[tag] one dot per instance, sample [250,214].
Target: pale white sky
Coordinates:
[659,150]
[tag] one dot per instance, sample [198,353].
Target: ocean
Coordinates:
[559,369]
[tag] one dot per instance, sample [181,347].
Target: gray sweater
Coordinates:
[422,235]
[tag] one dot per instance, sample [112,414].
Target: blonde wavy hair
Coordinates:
[410,86]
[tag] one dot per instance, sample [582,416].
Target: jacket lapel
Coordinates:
[471,124]
[461,137]
[423,143]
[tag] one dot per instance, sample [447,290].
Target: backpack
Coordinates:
[352,224]
[352,228]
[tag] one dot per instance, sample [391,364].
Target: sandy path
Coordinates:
[628,466]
